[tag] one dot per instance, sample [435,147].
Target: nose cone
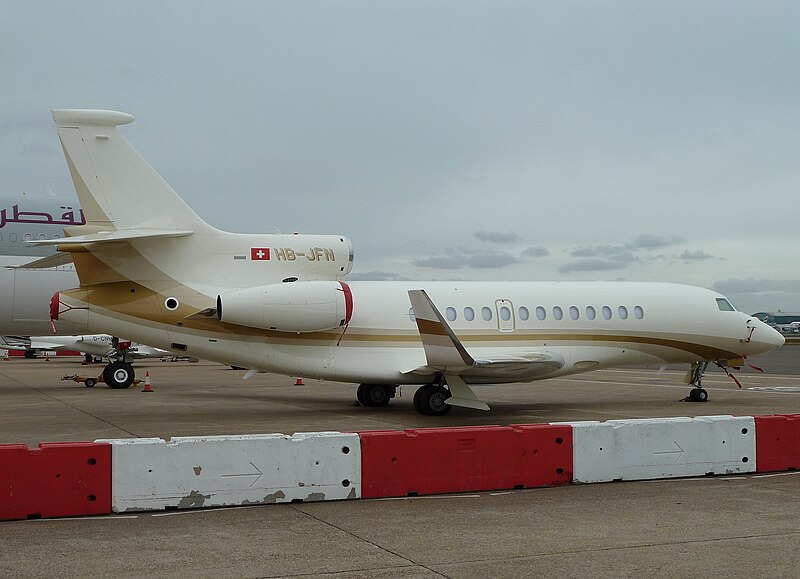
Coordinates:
[766,338]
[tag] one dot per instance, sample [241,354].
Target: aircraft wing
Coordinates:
[446,354]
[112,236]
[519,368]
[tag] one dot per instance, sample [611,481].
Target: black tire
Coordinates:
[702,395]
[118,375]
[90,382]
[374,395]
[30,354]
[431,401]
[417,397]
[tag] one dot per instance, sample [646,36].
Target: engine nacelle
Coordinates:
[301,306]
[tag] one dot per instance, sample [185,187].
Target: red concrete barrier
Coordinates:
[777,442]
[447,460]
[58,479]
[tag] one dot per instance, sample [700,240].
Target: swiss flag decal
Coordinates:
[259,253]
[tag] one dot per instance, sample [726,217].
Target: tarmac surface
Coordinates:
[737,526]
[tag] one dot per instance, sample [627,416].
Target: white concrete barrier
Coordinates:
[662,448]
[210,471]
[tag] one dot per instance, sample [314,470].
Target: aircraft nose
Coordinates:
[774,337]
[767,337]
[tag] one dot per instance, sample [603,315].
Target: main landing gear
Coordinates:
[118,374]
[429,400]
[375,394]
[697,394]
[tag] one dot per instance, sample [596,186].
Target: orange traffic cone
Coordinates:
[147,383]
[5,355]
[299,382]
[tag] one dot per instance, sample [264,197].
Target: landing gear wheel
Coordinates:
[698,395]
[90,382]
[374,395]
[118,375]
[88,358]
[430,400]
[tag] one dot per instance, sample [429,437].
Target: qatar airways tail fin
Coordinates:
[116,187]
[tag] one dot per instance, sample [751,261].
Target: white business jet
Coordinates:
[152,270]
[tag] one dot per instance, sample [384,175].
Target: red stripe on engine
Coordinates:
[348,302]
[54,307]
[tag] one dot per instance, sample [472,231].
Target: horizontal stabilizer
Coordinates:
[113,236]
[55,260]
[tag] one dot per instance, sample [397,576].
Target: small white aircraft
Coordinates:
[91,345]
[152,270]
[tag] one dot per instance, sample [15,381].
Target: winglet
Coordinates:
[442,348]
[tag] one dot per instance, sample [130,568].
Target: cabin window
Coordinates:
[469,314]
[722,304]
[450,313]
[623,312]
[505,313]
[524,314]
[486,313]
[557,312]
[12,237]
[606,312]
[42,236]
[574,313]
[541,313]
[638,312]
[590,313]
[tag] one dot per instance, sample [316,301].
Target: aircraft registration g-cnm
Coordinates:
[152,270]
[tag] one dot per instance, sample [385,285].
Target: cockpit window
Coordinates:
[725,305]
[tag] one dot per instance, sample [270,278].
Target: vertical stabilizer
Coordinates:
[117,188]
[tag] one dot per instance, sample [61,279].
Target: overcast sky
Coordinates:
[448,140]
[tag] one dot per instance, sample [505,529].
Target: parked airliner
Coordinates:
[152,270]
[24,293]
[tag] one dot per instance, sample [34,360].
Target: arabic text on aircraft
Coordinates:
[68,218]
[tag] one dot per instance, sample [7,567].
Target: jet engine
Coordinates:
[301,306]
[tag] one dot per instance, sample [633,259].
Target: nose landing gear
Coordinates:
[698,393]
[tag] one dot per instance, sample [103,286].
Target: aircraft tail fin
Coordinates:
[116,187]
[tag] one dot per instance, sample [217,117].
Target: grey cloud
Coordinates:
[497,236]
[592,265]
[649,241]
[695,255]
[536,252]
[375,276]
[492,260]
[442,262]
[616,252]
[455,259]
[753,285]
